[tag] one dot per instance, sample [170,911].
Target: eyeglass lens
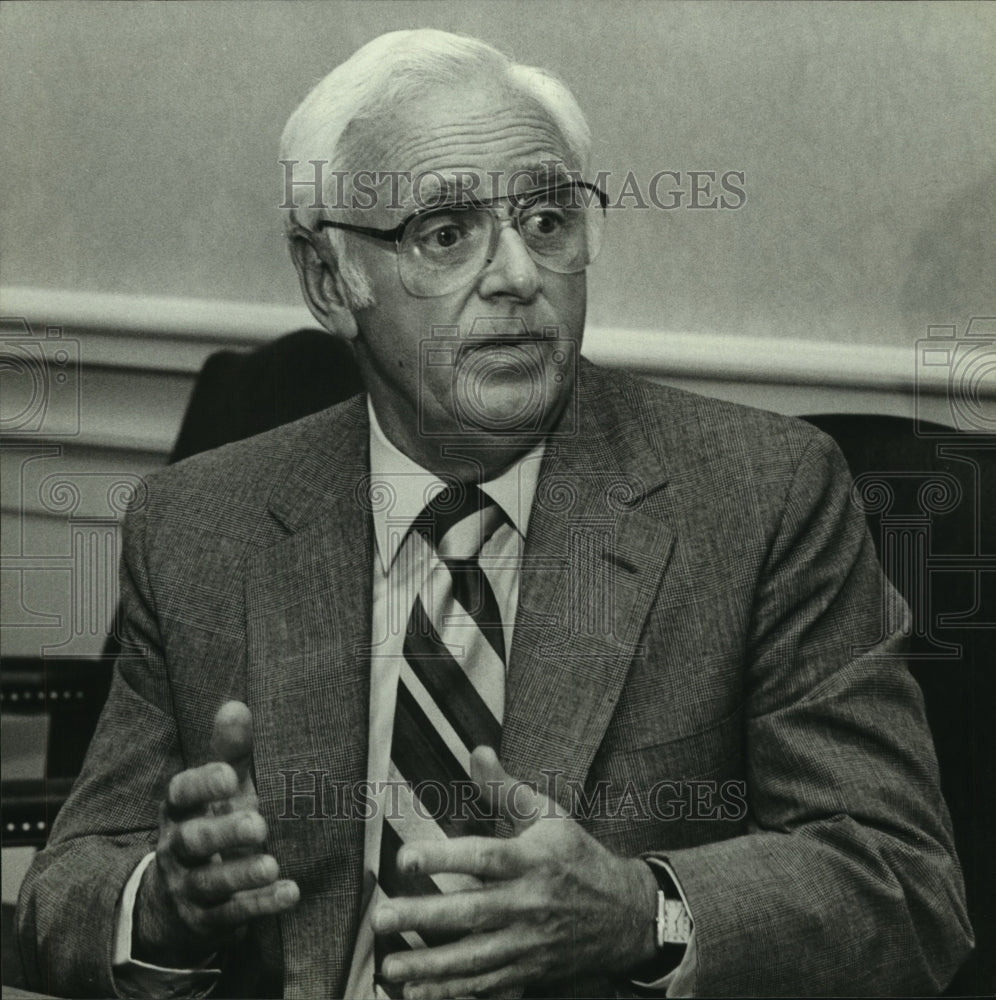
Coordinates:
[446,247]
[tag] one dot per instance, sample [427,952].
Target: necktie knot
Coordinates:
[459,520]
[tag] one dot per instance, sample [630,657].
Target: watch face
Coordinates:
[676,925]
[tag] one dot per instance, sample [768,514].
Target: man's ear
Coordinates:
[321,285]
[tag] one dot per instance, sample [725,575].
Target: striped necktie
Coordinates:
[449,700]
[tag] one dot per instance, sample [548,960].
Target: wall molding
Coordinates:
[139,356]
[175,334]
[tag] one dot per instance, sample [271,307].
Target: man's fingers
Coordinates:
[211,884]
[478,910]
[479,953]
[518,801]
[244,906]
[192,790]
[485,857]
[231,738]
[196,840]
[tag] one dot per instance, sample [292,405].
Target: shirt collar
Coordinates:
[394,474]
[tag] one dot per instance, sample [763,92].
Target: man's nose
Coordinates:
[511,271]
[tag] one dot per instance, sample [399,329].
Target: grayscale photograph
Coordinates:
[498,499]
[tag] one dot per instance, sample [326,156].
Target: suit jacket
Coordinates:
[699,602]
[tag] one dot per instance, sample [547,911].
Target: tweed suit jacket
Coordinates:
[699,603]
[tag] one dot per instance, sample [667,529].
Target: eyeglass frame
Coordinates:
[396,233]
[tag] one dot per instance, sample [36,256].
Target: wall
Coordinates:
[139,151]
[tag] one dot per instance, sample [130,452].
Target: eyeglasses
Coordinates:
[441,249]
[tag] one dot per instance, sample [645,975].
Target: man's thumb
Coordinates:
[231,739]
[518,801]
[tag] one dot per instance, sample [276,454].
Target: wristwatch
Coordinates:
[672,922]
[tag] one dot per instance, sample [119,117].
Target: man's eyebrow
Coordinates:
[434,188]
[550,170]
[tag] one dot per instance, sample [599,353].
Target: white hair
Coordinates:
[379,78]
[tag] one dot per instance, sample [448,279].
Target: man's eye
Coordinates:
[545,224]
[446,236]
[442,234]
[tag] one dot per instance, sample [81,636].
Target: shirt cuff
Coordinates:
[136,978]
[680,981]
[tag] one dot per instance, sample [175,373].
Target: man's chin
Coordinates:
[510,405]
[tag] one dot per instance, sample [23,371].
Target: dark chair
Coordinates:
[239,394]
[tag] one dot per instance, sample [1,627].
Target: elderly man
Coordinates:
[514,675]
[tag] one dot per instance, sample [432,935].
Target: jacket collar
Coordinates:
[330,457]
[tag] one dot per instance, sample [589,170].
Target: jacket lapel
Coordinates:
[308,600]
[592,567]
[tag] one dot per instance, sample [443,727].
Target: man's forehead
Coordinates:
[444,145]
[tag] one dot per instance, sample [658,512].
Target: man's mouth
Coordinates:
[498,346]
[502,330]
[500,342]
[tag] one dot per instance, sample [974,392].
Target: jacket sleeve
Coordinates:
[847,880]
[66,908]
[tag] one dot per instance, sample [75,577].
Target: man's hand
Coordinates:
[210,875]
[554,902]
